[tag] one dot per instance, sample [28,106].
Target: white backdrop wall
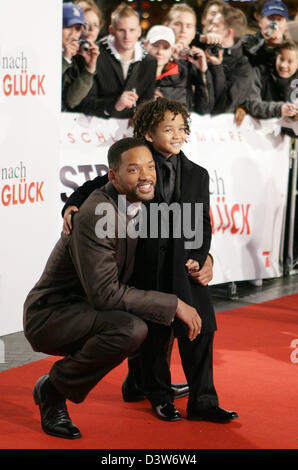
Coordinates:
[30,77]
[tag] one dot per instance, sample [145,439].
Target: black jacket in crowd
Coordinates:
[232,80]
[183,82]
[109,82]
[257,51]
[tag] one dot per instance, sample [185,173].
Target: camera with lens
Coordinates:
[273,26]
[213,49]
[84,45]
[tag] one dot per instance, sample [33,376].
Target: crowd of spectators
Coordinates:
[214,67]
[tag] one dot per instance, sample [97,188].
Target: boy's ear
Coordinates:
[111,30]
[148,137]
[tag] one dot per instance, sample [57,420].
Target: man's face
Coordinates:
[135,176]
[209,16]
[276,37]
[161,50]
[127,31]
[286,63]
[184,26]
[169,135]
[217,25]
[72,33]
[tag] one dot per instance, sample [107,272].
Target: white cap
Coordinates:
[161,33]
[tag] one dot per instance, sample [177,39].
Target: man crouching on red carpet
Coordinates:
[82,308]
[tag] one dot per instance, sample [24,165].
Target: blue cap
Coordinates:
[72,14]
[275,8]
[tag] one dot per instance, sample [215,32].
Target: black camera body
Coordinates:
[213,49]
[84,45]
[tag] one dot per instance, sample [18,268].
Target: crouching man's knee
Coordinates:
[135,333]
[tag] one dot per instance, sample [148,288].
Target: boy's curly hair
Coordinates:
[150,113]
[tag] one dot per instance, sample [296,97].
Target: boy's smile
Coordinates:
[169,135]
[286,63]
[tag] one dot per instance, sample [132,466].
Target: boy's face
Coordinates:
[184,26]
[276,37]
[127,31]
[161,50]
[286,63]
[169,135]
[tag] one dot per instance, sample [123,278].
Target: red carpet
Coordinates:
[253,373]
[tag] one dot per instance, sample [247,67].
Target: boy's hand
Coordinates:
[201,276]
[288,110]
[67,225]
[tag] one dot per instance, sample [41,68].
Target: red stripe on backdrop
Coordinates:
[255,372]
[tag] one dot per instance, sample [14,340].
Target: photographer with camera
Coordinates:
[261,47]
[230,69]
[182,20]
[79,58]
[187,79]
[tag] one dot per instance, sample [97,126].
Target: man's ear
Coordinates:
[229,33]
[111,175]
[111,29]
[140,31]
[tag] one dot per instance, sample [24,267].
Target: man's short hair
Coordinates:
[235,18]
[209,4]
[123,11]
[121,146]
[181,8]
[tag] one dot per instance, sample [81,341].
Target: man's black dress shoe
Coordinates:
[214,414]
[55,419]
[167,412]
